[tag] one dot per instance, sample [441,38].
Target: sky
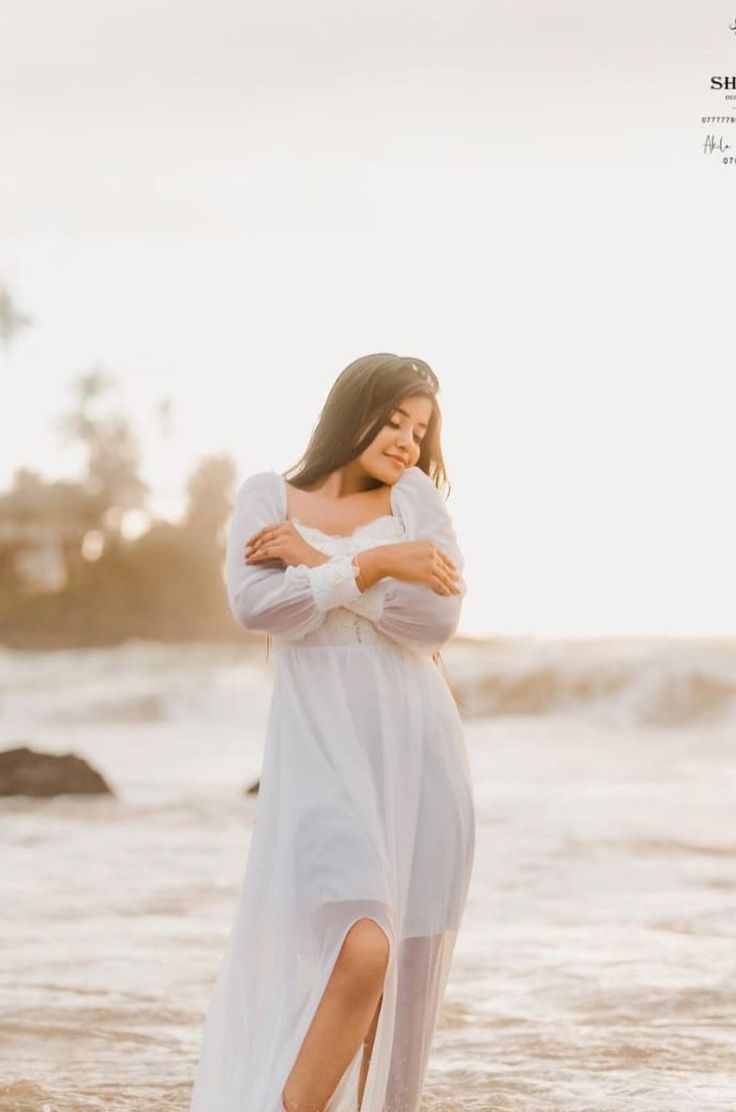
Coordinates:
[223,205]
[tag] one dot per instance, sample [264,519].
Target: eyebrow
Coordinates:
[421,424]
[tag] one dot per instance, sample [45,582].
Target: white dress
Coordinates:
[365,807]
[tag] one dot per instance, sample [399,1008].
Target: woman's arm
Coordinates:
[412,613]
[287,601]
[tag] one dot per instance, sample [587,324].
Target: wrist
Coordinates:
[373,564]
[315,559]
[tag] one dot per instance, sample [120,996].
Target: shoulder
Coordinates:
[417,484]
[417,501]
[260,479]
[423,510]
[260,484]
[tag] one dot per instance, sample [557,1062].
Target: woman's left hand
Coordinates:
[281,541]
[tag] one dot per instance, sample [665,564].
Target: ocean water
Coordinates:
[595,970]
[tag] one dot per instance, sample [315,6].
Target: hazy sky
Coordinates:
[226,205]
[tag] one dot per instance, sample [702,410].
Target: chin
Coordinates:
[396,473]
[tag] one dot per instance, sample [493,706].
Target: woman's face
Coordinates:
[398,444]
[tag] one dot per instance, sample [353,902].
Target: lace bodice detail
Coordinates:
[382,530]
[343,625]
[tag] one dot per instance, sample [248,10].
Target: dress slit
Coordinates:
[345,1095]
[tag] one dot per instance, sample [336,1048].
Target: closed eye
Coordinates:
[394,425]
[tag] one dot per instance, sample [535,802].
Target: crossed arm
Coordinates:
[293,601]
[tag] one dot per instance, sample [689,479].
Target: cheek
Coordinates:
[381,442]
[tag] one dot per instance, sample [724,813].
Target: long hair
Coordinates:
[360,402]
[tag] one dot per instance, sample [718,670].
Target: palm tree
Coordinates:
[11,320]
[113,455]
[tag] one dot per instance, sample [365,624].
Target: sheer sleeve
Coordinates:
[287,601]
[412,613]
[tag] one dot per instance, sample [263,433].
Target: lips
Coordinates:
[395,459]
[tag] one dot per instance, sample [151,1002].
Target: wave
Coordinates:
[621,682]
[667,682]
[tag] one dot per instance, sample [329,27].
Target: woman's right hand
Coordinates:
[422,562]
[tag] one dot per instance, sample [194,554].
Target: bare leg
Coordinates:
[342,1019]
[367,1051]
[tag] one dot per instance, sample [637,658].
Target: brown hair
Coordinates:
[360,402]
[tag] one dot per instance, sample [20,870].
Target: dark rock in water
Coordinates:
[25,771]
[252,789]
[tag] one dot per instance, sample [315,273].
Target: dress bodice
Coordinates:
[344,626]
[321,603]
[382,530]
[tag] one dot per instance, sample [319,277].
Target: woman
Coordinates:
[328,993]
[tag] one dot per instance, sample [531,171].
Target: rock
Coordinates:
[25,771]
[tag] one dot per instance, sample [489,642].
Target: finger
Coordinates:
[442,558]
[451,568]
[450,564]
[261,534]
[256,553]
[266,551]
[446,570]
[256,536]
[452,580]
[450,587]
[259,538]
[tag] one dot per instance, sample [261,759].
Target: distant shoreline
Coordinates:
[40,641]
